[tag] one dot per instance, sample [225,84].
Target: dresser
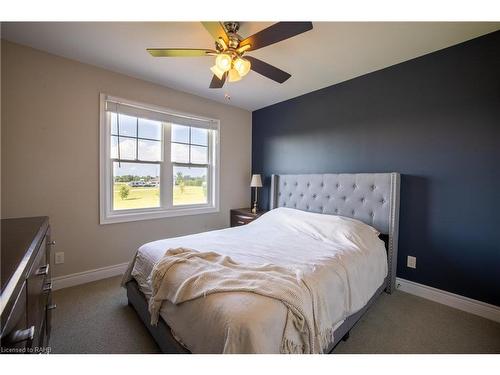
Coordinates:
[26,287]
[242,216]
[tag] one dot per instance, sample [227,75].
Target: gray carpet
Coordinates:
[95,318]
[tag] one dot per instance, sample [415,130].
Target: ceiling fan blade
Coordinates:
[180,52]
[216,30]
[267,70]
[218,83]
[275,33]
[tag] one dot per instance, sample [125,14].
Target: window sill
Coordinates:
[160,214]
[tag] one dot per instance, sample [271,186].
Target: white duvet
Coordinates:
[311,244]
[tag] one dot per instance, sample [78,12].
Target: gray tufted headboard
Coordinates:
[372,198]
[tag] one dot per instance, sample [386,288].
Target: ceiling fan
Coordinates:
[230,49]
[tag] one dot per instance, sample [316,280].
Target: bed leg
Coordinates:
[346,336]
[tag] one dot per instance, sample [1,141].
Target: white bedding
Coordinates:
[306,242]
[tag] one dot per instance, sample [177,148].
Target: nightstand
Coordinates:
[242,216]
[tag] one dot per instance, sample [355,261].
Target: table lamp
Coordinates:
[256,183]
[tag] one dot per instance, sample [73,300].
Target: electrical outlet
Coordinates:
[411,262]
[59,258]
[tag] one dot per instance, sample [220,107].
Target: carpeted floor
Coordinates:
[95,318]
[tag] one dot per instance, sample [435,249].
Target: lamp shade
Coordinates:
[223,61]
[233,75]
[256,181]
[242,66]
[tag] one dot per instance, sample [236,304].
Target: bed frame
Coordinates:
[369,197]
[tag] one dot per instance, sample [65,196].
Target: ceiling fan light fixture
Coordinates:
[233,75]
[242,66]
[230,49]
[215,70]
[223,61]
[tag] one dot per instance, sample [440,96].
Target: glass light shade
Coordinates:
[233,75]
[219,73]
[223,62]
[256,181]
[242,66]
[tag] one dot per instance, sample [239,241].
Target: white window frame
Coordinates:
[166,209]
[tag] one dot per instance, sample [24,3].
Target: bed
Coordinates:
[323,227]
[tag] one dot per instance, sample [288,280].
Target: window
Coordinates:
[155,162]
[189,156]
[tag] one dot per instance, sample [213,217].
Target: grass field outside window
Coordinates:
[147,197]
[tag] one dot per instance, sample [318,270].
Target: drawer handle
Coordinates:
[21,335]
[52,243]
[51,307]
[47,287]
[43,270]
[240,222]
[246,217]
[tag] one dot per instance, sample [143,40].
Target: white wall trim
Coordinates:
[469,305]
[84,277]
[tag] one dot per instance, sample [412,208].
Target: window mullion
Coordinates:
[109,163]
[166,185]
[137,138]
[189,148]
[210,169]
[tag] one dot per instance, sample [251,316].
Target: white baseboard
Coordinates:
[84,277]
[469,305]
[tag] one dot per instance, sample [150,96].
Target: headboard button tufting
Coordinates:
[359,196]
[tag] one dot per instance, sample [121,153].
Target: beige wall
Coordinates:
[50,155]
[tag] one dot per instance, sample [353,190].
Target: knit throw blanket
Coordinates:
[185,274]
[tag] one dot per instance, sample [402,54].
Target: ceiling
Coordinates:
[330,53]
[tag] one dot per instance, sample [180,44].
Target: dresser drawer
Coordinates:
[49,308]
[16,333]
[26,286]
[37,284]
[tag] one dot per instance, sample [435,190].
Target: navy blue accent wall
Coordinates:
[434,119]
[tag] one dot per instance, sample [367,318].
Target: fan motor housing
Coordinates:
[232,27]
[232,34]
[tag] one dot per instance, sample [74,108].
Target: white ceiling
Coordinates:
[330,53]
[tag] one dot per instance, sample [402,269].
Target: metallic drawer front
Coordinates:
[37,297]
[16,333]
